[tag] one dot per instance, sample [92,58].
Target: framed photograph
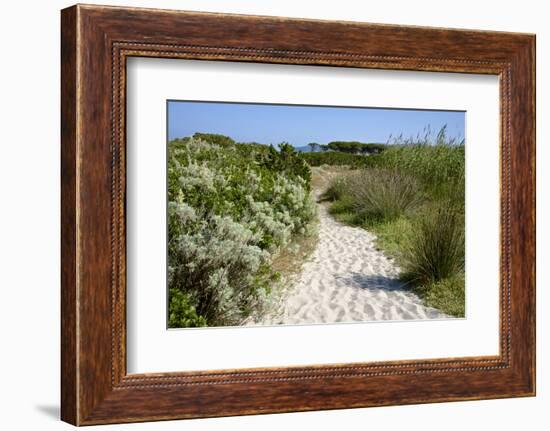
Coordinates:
[265,214]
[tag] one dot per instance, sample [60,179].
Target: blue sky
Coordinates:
[299,125]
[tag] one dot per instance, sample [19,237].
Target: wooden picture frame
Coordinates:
[95,43]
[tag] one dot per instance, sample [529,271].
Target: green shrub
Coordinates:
[216,139]
[355,147]
[230,209]
[219,265]
[286,161]
[182,313]
[435,248]
[332,158]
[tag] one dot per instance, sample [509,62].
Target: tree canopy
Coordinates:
[355,147]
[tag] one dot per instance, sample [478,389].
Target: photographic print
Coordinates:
[296,214]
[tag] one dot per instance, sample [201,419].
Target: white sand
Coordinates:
[347,279]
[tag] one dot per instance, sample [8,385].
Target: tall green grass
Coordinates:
[412,196]
[380,195]
[440,167]
[374,195]
[435,247]
[337,188]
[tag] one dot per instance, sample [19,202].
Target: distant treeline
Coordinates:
[334,158]
[349,147]
[336,153]
[226,141]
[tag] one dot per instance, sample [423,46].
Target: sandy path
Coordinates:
[347,279]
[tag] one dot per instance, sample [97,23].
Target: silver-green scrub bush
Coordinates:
[231,208]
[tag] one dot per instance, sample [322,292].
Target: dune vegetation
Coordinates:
[334,158]
[411,195]
[233,209]
[242,218]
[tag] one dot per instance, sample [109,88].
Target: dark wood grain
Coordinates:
[69,367]
[96,41]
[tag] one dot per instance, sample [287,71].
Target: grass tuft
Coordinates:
[435,248]
[382,195]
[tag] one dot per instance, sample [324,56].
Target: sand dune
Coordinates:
[347,279]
